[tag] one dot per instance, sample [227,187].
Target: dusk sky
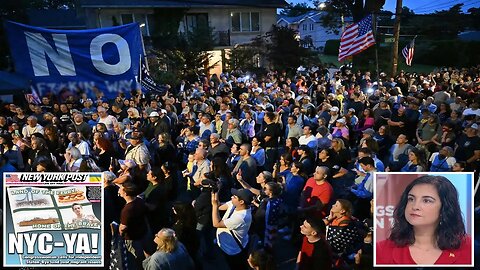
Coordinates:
[420,6]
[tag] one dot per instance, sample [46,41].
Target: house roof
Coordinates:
[312,15]
[315,16]
[469,36]
[179,3]
[55,18]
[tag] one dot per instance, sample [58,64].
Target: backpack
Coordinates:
[346,240]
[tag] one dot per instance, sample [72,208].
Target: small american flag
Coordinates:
[408,51]
[356,38]
[12,178]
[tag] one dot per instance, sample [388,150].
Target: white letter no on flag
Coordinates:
[124,62]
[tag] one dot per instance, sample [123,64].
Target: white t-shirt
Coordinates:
[310,141]
[83,147]
[239,223]
[470,111]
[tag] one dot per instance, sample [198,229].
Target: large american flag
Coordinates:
[356,38]
[408,51]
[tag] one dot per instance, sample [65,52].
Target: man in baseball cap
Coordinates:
[232,229]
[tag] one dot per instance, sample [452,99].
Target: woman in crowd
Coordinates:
[73,161]
[185,227]
[221,174]
[291,147]
[11,151]
[366,121]
[234,156]
[258,153]
[171,181]
[170,253]
[105,153]
[54,142]
[428,227]
[415,162]
[269,215]
[341,130]
[444,112]
[166,150]
[155,200]
[282,168]
[342,154]
[293,184]
[306,159]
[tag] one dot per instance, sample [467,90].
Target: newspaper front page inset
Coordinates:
[53,219]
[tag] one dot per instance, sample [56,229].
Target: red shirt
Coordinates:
[315,192]
[389,253]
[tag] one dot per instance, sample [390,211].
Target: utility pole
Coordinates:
[396,36]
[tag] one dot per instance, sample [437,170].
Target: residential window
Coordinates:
[245,21]
[141,19]
[127,18]
[311,27]
[195,20]
[304,27]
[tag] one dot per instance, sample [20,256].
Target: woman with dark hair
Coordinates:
[171,181]
[268,215]
[220,172]
[258,153]
[291,146]
[282,167]
[366,121]
[306,159]
[428,226]
[54,142]
[444,112]
[185,227]
[293,183]
[155,200]
[416,161]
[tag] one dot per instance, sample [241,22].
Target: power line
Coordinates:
[441,6]
[429,5]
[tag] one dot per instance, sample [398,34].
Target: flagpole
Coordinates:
[374,21]
[140,70]
[396,35]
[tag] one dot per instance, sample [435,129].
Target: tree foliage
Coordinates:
[295,10]
[440,25]
[179,55]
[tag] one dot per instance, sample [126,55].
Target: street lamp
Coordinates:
[322,6]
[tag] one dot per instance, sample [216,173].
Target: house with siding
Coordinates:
[234,21]
[310,30]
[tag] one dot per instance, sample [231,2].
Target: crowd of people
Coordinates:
[235,164]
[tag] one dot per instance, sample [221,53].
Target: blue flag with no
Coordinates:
[69,61]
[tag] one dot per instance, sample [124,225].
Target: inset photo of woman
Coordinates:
[423,219]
